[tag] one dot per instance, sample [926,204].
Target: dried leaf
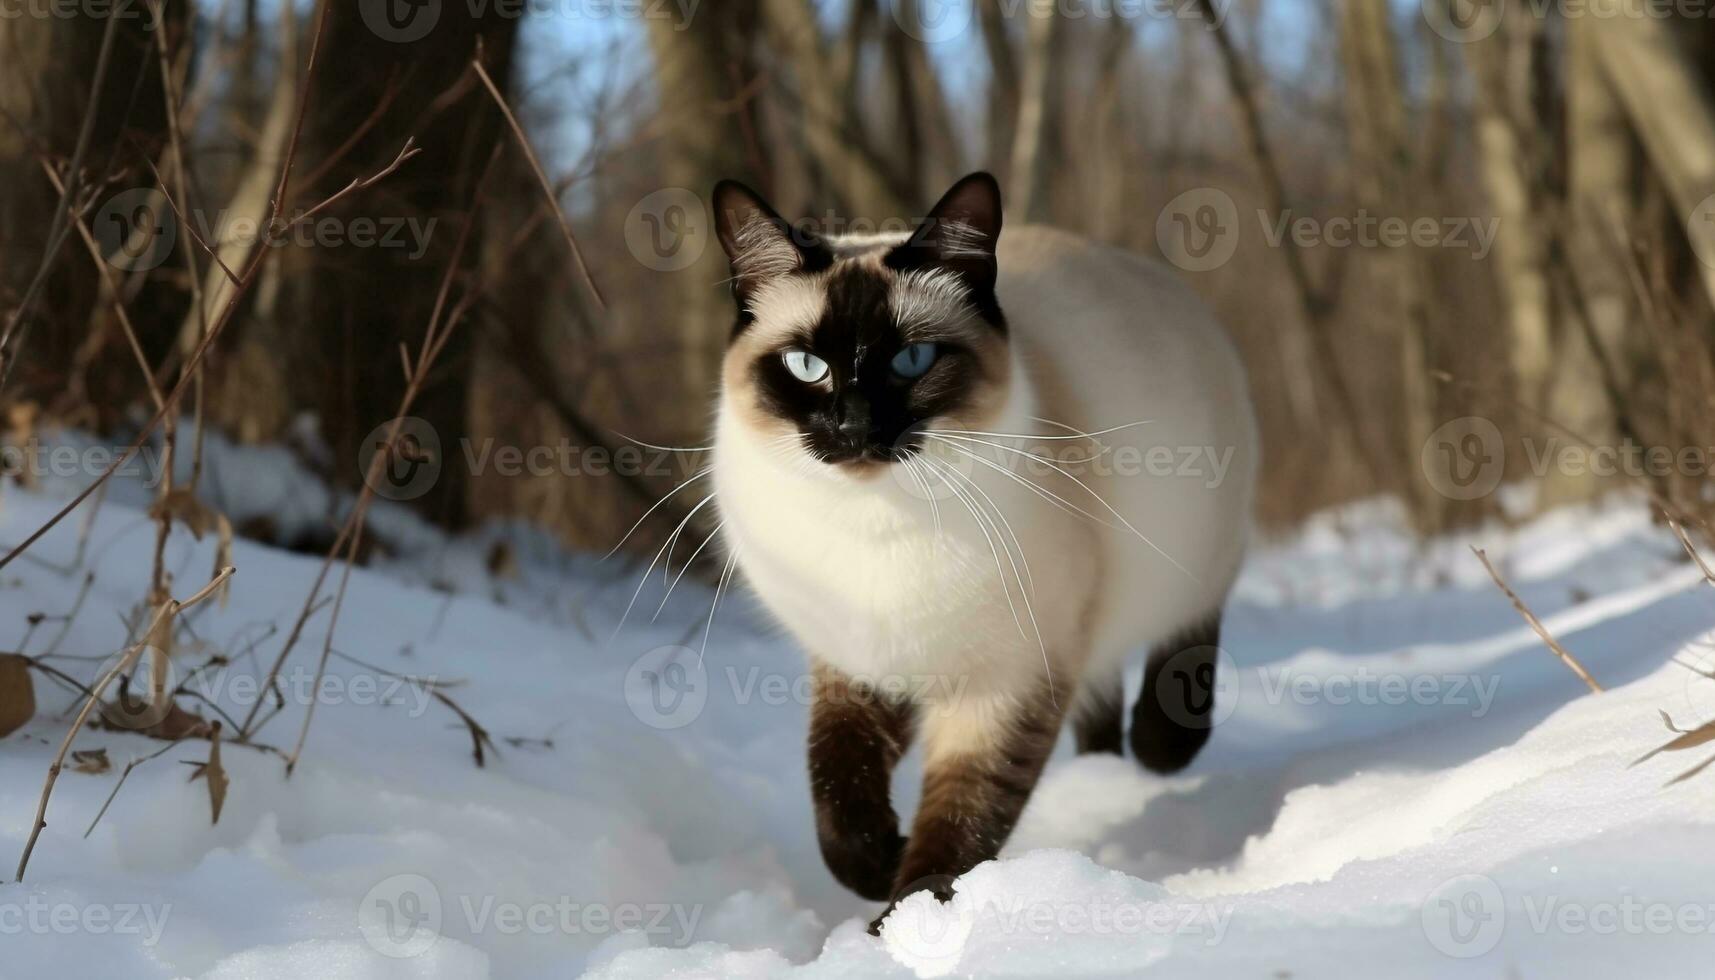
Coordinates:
[17,694]
[90,762]
[1687,740]
[181,505]
[176,724]
[216,773]
[21,431]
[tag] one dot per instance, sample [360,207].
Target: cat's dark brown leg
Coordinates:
[856,737]
[1175,709]
[983,755]
[1098,722]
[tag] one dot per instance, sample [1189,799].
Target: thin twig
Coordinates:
[1536,624]
[168,609]
[1690,549]
[542,176]
[120,784]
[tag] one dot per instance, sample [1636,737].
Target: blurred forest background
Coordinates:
[1582,134]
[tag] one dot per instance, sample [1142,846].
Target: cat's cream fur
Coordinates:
[854,565]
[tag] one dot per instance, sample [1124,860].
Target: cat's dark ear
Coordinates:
[959,233]
[759,243]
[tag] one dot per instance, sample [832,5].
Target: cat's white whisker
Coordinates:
[1021,435]
[1058,501]
[912,466]
[941,469]
[720,585]
[665,449]
[658,553]
[705,471]
[1077,435]
[1099,499]
[685,568]
[995,507]
[1023,593]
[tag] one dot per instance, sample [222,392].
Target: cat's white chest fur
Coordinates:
[875,579]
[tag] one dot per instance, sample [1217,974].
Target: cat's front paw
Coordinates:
[864,861]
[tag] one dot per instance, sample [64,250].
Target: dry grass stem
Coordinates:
[1536,624]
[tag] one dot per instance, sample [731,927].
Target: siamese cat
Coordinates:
[973,474]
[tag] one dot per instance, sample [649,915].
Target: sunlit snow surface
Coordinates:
[1404,781]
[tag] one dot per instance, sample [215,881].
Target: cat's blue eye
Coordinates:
[805,366]
[914,361]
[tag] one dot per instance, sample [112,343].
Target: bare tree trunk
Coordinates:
[1105,131]
[348,304]
[1505,71]
[1032,145]
[48,67]
[1670,107]
[1312,356]
[1600,178]
[1381,155]
[250,201]
[1003,88]
[695,73]
[855,177]
[925,122]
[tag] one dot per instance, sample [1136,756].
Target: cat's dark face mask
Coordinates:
[857,345]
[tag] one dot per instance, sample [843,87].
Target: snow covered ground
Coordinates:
[1404,782]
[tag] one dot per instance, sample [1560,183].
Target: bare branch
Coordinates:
[1536,624]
